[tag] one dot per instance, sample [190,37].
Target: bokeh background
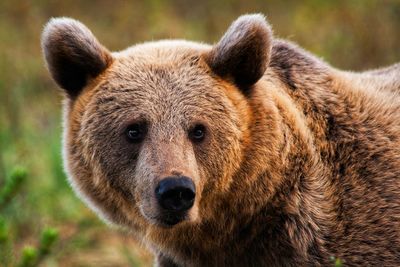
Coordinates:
[356,35]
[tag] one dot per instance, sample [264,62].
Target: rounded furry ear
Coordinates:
[72,53]
[243,53]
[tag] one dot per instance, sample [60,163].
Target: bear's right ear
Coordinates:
[73,55]
[243,53]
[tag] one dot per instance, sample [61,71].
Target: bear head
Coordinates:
[156,135]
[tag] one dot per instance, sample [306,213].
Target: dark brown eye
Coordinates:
[198,133]
[135,133]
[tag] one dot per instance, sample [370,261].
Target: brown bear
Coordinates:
[250,152]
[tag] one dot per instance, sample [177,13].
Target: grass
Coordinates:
[359,34]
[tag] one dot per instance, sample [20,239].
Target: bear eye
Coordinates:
[136,132]
[198,133]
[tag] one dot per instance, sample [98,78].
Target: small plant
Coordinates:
[12,186]
[336,262]
[30,256]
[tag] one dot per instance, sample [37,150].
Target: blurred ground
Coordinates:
[357,34]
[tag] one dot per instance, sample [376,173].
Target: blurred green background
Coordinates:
[357,35]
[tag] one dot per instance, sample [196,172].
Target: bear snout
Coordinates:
[175,194]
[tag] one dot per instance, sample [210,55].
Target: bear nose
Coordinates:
[176,193]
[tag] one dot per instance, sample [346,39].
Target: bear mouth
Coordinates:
[170,219]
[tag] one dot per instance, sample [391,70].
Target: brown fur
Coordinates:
[301,161]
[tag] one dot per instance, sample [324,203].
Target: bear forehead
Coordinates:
[170,63]
[160,78]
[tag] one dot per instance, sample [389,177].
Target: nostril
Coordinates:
[179,199]
[176,194]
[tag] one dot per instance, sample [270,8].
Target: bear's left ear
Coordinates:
[243,53]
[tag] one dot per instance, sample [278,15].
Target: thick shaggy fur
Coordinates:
[301,161]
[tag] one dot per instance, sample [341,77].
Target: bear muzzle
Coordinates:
[175,196]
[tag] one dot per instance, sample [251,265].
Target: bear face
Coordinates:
[172,93]
[163,110]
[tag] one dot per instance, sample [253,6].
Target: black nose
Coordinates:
[176,193]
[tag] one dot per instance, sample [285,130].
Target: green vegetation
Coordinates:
[30,256]
[357,34]
[34,256]
[336,262]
